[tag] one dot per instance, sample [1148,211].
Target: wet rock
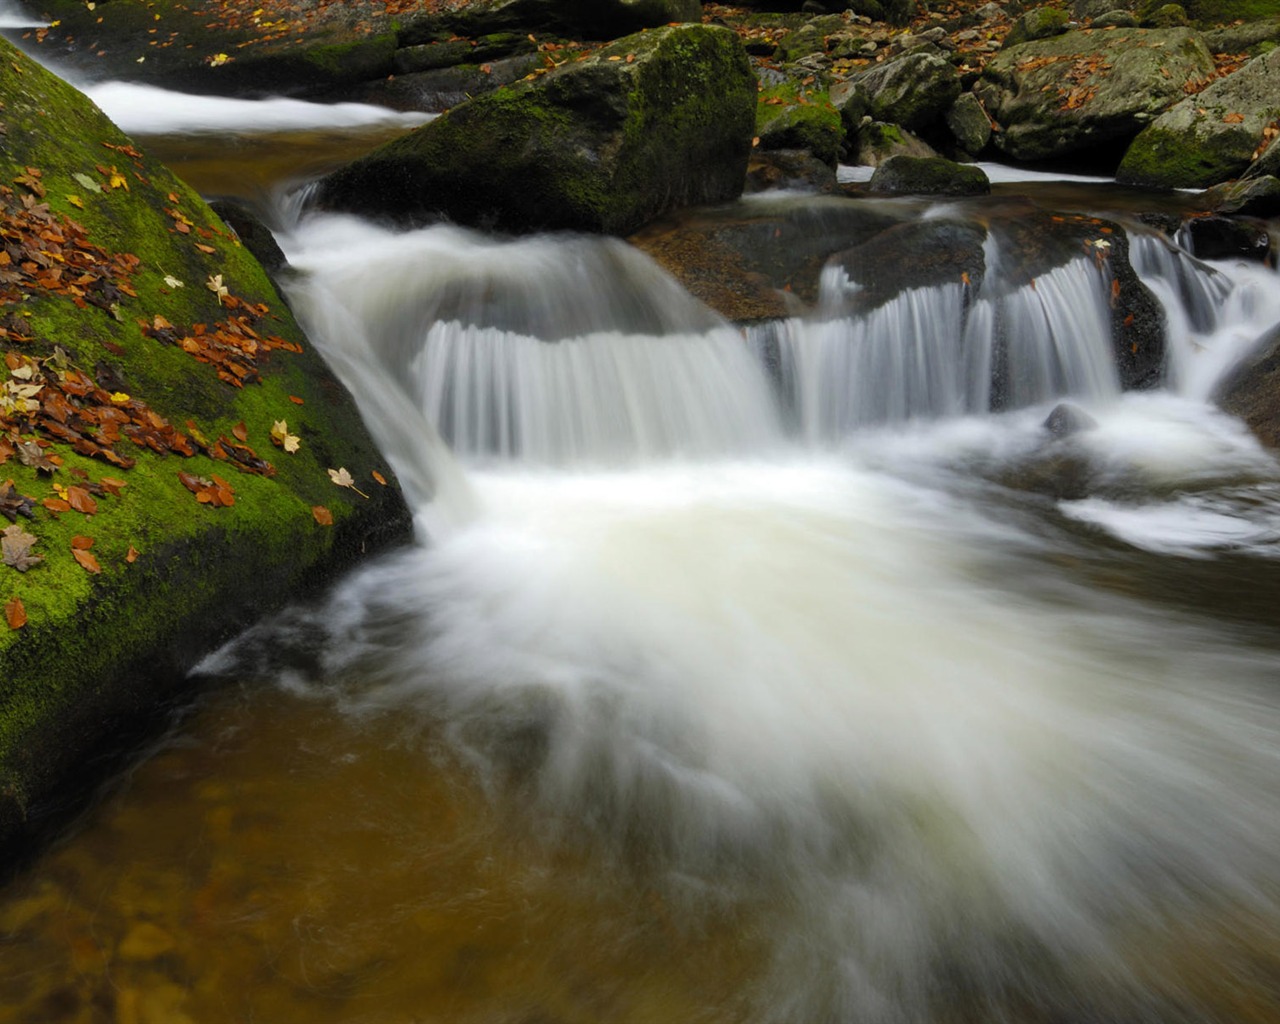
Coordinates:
[443,88]
[1211,136]
[1219,238]
[919,254]
[761,259]
[1252,197]
[599,145]
[253,234]
[910,175]
[813,127]
[1251,391]
[1085,91]
[1067,419]
[789,169]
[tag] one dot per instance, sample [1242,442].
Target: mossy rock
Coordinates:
[788,117]
[177,575]
[655,121]
[1041,23]
[913,91]
[877,142]
[933,176]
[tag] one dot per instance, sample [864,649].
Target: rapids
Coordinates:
[721,686]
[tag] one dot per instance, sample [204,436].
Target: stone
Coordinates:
[1211,136]
[934,176]
[789,169]
[1067,420]
[1250,196]
[913,91]
[1080,92]
[918,254]
[1041,23]
[969,124]
[877,142]
[1249,391]
[650,123]
[813,127]
[1222,238]
[1166,16]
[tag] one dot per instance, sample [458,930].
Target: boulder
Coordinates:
[1250,197]
[931,176]
[654,121]
[1041,23]
[1249,390]
[789,169]
[1083,90]
[1211,136]
[913,91]
[918,254]
[969,124]
[147,360]
[877,142]
[813,127]
[1225,238]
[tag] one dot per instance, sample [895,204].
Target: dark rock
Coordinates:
[1251,390]
[969,124]
[789,169]
[1220,238]
[814,127]
[599,145]
[912,91]
[909,175]
[918,254]
[253,234]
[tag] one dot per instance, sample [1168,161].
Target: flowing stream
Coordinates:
[719,688]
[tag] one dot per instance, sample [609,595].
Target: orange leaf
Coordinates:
[87,560]
[1233,119]
[322,515]
[113,485]
[295,400]
[14,613]
[56,505]
[241,432]
[82,543]
[131,555]
[380,478]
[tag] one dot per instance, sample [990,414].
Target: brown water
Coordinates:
[278,861]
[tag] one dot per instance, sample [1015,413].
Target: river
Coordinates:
[710,693]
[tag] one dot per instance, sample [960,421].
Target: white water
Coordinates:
[838,685]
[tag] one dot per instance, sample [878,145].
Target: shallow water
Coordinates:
[704,702]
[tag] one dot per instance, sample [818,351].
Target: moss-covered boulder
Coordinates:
[969,124]
[1251,197]
[166,439]
[652,122]
[1088,92]
[932,176]
[1040,23]
[876,142]
[913,91]
[1212,136]
[791,117]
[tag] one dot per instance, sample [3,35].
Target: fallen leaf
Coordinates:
[14,614]
[87,560]
[215,285]
[81,543]
[87,182]
[322,515]
[16,544]
[343,478]
[295,400]
[1233,118]
[173,282]
[380,478]
[240,431]
[81,500]
[131,555]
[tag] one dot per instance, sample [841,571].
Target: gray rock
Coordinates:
[1115,19]
[1066,420]
[969,124]
[789,169]
[1251,390]
[877,142]
[913,91]
[1250,196]
[1211,136]
[918,254]
[1080,90]
[1042,23]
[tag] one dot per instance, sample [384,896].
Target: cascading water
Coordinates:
[755,680]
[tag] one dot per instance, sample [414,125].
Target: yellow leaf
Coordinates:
[120,398]
[76,201]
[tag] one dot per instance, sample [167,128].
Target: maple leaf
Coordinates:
[16,544]
[215,285]
[173,282]
[14,614]
[343,478]
[281,437]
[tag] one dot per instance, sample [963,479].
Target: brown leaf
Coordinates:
[1233,118]
[87,560]
[131,555]
[322,515]
[241,432]
[380,478]
[295,400]
[56,505]
[81,542]
[81,500]
[14,614]
[113,485]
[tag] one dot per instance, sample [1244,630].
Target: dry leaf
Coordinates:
[15,545]
[86,560]
[14,614]
[380,478]
[131,555]
[82,543]
[343,478]
[322,515]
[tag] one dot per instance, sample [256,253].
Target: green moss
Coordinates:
[98,646]
[1160,158]
[813,125]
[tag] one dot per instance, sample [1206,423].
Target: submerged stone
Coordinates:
[933,176]
[652,122]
